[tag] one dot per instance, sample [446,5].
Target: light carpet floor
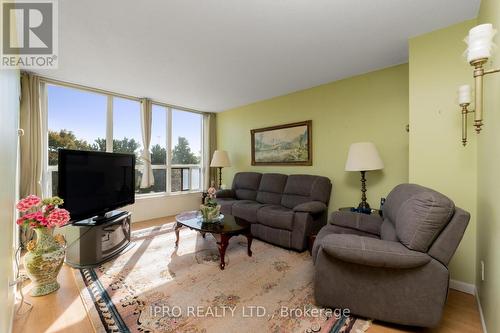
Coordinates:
[154,287]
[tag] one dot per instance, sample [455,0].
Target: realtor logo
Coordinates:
[29,34]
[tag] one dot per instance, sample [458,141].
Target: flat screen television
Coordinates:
[94,183]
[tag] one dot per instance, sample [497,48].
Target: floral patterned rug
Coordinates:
[154,287]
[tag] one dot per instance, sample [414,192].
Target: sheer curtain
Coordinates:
[210,143]
[147,179]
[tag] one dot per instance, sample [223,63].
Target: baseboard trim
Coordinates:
[464,287]
[483,323]
[469,288]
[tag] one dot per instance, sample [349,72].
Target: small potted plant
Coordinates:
[45,254]
[210,209]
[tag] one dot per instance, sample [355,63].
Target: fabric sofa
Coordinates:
[283,210]
[393,268]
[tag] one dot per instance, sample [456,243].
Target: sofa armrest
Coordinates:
[359,221]
[313,207]
[227,193]
[372,252]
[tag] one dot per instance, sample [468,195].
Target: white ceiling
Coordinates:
[212,55]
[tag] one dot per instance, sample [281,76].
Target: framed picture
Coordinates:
[289,144]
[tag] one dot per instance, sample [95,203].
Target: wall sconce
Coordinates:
[479,45]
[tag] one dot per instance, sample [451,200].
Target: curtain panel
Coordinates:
[31,142]
[147,179]
[210,140]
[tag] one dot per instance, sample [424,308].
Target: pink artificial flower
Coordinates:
[20,221]
[27,203]
[36,219]
[58,217]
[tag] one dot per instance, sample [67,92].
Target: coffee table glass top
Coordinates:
[228,224]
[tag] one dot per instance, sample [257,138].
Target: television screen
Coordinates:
[93,183]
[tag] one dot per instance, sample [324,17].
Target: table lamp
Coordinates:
[220,159]
[362,157]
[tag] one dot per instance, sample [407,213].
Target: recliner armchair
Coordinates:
[394,268]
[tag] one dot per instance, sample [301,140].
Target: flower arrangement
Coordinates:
[210,210]
[38,213]
[45,255]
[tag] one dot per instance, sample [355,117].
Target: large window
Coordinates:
[81,119]
[186,150]
[76,120]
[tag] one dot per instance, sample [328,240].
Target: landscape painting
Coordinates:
[288,144]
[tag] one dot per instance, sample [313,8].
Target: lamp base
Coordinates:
[364,207]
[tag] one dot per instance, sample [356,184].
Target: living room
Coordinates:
[297,166]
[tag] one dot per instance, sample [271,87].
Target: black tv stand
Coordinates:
[99,219]
[95,240]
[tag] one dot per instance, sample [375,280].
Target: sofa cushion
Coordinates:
[418,213]
[362,222]
[247,210]
[372,252]
[276,216]
[226,205]
[388,232]
[303,188]
[246,184]
[271,188]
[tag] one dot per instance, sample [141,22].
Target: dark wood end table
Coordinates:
[221,231]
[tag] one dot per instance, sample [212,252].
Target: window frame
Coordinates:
[168,166]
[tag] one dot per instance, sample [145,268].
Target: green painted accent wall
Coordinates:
[488,227]
[370,107]
[437,158]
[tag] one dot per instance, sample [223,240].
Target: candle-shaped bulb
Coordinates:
[464,94]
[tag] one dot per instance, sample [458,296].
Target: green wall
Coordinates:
[370,107]
[488,227]
[437,157]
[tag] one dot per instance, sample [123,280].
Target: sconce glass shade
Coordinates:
[464,94]
[480,42]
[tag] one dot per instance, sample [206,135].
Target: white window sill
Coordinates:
[166,195]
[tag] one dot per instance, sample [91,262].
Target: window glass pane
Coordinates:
[195,179]
[160,180]
[176,180]
[159,136]
[186,137]
[53,182]
[185,179]
[127,135]
[76,120]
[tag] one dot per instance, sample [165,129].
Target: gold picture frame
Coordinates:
[289,144]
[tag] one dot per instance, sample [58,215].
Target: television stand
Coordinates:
[93,241]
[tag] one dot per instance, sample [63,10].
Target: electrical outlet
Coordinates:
[482,270]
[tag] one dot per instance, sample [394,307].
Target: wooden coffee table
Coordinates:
[221,231]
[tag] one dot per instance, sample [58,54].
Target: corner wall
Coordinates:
[488,165]
[370,107]
[437,158]
[9,123]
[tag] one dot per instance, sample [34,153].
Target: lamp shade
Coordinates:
[220,159]
[363,156]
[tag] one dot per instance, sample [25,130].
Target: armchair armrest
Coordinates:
[372,252]
[313,207]
[227,193]
[363,222]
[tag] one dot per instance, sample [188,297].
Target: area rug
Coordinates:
[154,287]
